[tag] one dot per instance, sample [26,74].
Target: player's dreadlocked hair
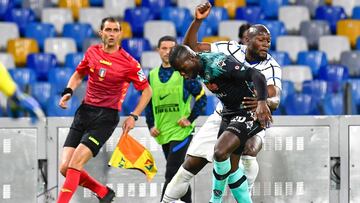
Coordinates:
[178,54]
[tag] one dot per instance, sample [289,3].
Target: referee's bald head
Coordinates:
[258,29]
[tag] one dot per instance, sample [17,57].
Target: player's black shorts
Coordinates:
[243,127]
[92,126]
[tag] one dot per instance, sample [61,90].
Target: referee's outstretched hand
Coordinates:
[128,124]
[63,100]
[202,10]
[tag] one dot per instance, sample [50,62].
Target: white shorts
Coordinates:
[203,142]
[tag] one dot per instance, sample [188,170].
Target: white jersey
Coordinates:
[202,144]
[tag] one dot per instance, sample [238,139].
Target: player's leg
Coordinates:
[237,180]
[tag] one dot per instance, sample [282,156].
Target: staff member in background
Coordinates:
[169,115]
[110,70]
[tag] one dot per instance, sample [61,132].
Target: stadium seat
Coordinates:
[334,104]
[126,30]
[60,46]
[57,16]
[41,91]
[356,13]
[230,28]
[20,48]
[216,15]
[90,41]
[74,5]
[333,46]
[155,29]
[40,31]
[72,60]
[298,43]
[311,5]
[135,46]
[8,31]
[299,104]
[230,5]
[137,17]
[41,63]
[181,17]
[156,6]
[212,101]
[292,16]
[20,16]
[350,29]
[348,5]
[36,5]
[7,60]
[150,59]
[332,14]
[351,60]
[204,30]
[312,30]
[317,89]
[355,92]
[131,100]
[276,28]
[53,108]
[93,16]
[335,75]
[211,39]
[270,8]
[79,32]
[5,6]
[358,43]
[117,8]
[281,57]
[314,59]
[288,88]
[24,77]
[98,3]
[251,14]
[58,78]
[297,74]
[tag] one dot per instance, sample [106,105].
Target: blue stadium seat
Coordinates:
[204,30]
[156,6]
[356,13]
[58,78]
[41,63]
[314,59]
[5,6]
[181,17]
[130,101]
[78,31]
[251,2]
[98,3]
[53,108]
[355,92]
[334,104]
[299,104]
[332,14]
[281,57]
[335,75]
[72,60]
[40,31]
[41,91]
[216,15]
[276,28]
[212,101]
[317,89]
[135,46]
[251,14]
[20,16]
[288,88]
[271,7]
[24,77]
[137,18]
[357,44]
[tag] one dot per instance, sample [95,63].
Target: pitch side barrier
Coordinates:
[304,159]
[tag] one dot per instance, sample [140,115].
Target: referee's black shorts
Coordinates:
[92,126]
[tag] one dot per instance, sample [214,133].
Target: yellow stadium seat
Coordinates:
[230,5]
[138,2]
[126,29]
[211,39]
[350,29]
[74,5]
[20,48]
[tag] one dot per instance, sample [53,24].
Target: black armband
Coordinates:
[136,117]
[67,90]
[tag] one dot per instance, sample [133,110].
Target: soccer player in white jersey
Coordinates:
[201,150]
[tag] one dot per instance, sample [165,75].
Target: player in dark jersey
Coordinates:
[110,70]
[231,82]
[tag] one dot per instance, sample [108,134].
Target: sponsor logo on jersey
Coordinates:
[163,96]
[105,62]
[141,75]
[167,108]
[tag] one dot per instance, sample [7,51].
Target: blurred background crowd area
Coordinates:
[316,42]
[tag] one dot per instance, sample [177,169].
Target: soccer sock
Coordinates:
[89,182]
[239,186]
[251,169]
[178,185]
[70,185]
[221,173]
